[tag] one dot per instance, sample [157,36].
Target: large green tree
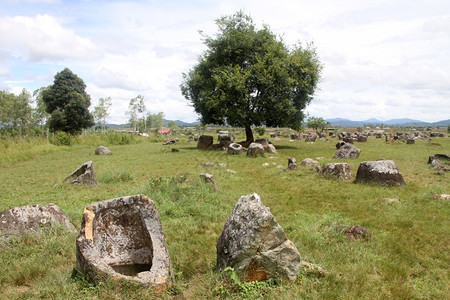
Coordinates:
[68,103]
[248,76]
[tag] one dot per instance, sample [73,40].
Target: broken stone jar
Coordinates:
[123,238]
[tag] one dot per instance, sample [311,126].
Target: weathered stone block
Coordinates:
[84,175]
[102,150]
[255,245]
[123,238]
[382,172]
[31,220]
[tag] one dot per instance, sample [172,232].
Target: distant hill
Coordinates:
[179,123]
[393,122]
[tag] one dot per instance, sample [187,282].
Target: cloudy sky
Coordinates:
[382,59]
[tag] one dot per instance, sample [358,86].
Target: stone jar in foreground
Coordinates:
[123,238]
[84,175]
[31,220]
[383,172]
[254,244]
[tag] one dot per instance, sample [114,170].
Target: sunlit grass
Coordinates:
[406,257]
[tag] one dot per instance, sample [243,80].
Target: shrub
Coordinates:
[120,139]
[62,138]
[260,130]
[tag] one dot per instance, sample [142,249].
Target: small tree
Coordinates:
[136,107]
[173,126]
[15,111]
[39,113]
[248,77]
[317,123]
[68,103]
[155,121]
[101,111]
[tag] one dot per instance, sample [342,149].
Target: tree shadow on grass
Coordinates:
[286,147]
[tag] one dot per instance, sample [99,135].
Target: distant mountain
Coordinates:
[442,123]
[393,122]
[181,123]
[118,125]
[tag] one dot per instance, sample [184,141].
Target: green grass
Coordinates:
[407,256]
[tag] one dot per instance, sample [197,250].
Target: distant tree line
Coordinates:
[62,106]
[19,117]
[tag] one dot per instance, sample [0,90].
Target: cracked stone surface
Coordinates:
[347,151]
[84,175]
[340,171]
[383,172]
[102,150]
[255,245]
[31,220]
[123,238]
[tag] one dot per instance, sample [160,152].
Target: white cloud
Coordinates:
[42,38]
[383,59]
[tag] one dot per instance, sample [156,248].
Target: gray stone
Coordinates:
[340,171]
[235,148]
[445,197]
[354,232]
[170,142]
[270,148]
[292,163]
[122,238]
[102,150]
[309,162]
[383,172]
[262,141]
[442,157]
[209,178]
[410,141]
[311,138]
[255,245]
[225,140]
[348,140]
[254,149]
[347,151]
[205,141]
[84,175]
[362,138]
[441,166]
[340,144]
[208,164]
[31,220]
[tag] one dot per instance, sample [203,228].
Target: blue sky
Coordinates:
[382,59]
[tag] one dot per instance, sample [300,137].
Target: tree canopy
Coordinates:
[317,123]
[101,111]
[248,76]
[15,111]
[68,103]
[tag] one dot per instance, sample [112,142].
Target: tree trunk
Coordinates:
[249,137]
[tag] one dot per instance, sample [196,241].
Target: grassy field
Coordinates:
[407,257]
